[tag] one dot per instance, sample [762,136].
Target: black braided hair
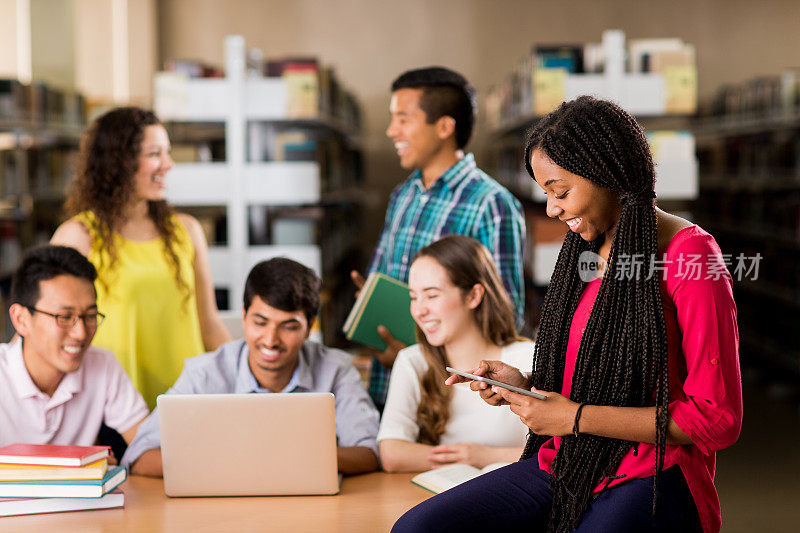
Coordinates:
[622,359]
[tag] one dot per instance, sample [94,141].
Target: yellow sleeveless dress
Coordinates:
[151,324]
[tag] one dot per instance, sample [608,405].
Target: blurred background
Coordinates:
[277,113]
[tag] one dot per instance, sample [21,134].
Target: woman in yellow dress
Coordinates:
[154,280]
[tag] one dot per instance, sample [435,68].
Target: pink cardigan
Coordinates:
[705,382]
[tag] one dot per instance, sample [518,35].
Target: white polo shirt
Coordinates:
[99,391]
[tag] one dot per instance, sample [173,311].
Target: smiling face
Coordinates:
[440,308]
[154,163]
[46,345]
[588,209]
[274,339]
[417,143]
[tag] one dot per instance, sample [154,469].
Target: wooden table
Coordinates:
[369,502]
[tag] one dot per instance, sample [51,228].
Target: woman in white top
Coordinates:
[463,315]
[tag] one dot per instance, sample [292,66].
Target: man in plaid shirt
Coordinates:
[433,113]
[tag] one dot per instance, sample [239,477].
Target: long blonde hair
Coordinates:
[467,263]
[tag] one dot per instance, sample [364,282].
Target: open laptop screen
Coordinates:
[248,444]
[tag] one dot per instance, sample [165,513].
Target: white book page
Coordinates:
[446,477]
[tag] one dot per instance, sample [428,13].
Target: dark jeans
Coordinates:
[518,497]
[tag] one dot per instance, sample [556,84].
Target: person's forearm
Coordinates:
[214,333]
[130,434]
[148,464]
[356,460]
[636,424]
[404,456]
[386,358]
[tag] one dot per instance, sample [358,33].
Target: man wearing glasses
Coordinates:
[54,387]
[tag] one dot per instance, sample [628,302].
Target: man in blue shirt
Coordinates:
[281,300]
[433,113]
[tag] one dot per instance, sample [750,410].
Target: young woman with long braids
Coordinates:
[154,280]
[463,314]
[639,366]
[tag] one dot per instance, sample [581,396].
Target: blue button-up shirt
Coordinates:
[319,369]
[463,201]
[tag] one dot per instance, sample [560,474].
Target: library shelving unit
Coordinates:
[271,181]
[659,88]
[40,130]
[750,201]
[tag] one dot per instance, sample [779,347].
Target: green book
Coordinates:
[383,301]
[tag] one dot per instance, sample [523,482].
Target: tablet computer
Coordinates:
[498,383]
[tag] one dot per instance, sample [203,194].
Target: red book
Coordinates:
[52,454]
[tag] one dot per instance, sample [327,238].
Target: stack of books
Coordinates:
[46,478]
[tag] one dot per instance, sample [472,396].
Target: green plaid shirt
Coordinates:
[463,201]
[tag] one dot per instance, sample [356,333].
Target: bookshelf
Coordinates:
[40,129]
[271,167]
[749,152]
[657,84]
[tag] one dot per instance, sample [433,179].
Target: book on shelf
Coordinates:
[23,506]
[275,67]
[65,488]
[446,477]
[568,56]
[17,472]
[650,55]
[192,68]
[383,301]
[302,87]
[293,142]
[551,74]
[40,102]
[52,454]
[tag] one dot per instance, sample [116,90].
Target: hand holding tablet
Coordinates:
[497,383]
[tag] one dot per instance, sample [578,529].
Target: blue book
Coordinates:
[65,488]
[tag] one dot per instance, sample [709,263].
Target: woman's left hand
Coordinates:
[554,416]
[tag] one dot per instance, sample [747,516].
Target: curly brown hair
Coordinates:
[467,263]
[104,184]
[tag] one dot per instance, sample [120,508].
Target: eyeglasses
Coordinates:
[91,320]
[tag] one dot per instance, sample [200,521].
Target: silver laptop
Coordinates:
[248,444]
